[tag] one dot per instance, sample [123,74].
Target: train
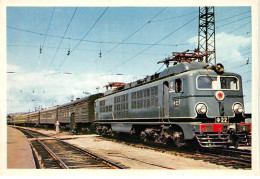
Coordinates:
[75,114]
[188,101]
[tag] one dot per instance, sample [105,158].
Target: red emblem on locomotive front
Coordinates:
[219,95]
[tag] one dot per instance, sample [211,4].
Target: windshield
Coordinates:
[217,83]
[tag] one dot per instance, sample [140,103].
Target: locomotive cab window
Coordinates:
[207,82]
[229,83]
[178,85]
[217,83]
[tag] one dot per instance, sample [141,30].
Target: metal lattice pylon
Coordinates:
[207,33]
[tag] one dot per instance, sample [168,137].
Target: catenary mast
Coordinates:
[206,35]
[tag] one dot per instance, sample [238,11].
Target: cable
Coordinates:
[83,37]
[233,16]
[94,51]
[240,65]
[174,17]
[90,29]
[134,43]
[159,68]
[41,48]
[48,27]
[239,27]
[135,31]
[241,55]
[154,43]
[233,22]
[62,38]
[93,41]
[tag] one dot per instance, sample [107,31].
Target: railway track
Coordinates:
[238,158]
[229,157]
[53,153]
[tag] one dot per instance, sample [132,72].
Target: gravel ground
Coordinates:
[130,156]
[139,158]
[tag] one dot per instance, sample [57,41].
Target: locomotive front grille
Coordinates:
[213,140]
[224,135]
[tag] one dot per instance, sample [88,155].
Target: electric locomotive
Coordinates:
[187,101]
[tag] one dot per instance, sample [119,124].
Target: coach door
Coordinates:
[166,99]
[72,120]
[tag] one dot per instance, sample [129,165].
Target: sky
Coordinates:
[131,40]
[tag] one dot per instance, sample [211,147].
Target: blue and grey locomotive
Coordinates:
[187,101]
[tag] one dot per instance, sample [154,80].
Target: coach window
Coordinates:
[178,85]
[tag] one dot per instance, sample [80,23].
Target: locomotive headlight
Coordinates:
[238,108]
[201,108]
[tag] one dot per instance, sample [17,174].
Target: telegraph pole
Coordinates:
[207,33]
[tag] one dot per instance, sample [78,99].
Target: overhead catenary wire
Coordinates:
[48,27]
[125,39]
[94,41]
[232,22]
[154,44]
[83,38]
[128,43]
[63,37]
[108,42]
[41,47]
[233,59]
[233,16]
[239,27]
[145,24]
[159,68]
[240,66]
[142,44]
[159,20]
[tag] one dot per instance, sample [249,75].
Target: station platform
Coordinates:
[19,153]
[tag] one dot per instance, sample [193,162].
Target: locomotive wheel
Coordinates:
[110,132]
[144,138]
[178,139]
[142,135]
[98,130]
[104,130]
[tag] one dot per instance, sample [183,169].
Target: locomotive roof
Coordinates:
[212,72]
[173,70]
[182,67]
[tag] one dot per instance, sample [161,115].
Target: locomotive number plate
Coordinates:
[221,120]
